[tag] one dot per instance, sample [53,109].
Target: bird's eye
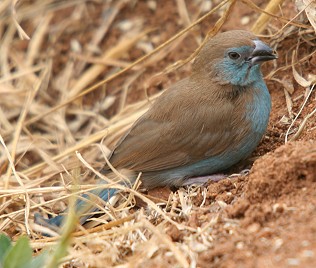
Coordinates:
[234,55]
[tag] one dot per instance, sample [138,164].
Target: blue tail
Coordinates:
[82,206]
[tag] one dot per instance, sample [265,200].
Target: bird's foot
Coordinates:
[204,179]
[244,172]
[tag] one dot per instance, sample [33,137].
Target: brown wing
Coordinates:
[185,124]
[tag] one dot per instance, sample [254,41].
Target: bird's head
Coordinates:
[233,57]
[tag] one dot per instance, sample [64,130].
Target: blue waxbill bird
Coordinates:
[201,125]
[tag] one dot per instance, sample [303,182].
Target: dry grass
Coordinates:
[51,108]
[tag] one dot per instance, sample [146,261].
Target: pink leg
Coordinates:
[204,179]
[244,172]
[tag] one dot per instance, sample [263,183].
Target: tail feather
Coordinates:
[83,207]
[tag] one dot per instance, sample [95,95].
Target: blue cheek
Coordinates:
[238,74]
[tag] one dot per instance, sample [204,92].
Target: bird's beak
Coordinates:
[261,53]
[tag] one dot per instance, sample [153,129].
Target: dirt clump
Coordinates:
[275,216]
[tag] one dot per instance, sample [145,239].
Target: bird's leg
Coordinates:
[244,172]
[214,177]
[204,179]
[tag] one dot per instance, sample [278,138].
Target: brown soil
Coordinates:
[268,217]
[277,210]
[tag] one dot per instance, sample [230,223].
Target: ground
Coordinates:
[266,218]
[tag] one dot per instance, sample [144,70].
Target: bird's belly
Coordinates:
[258,114]
[208,166]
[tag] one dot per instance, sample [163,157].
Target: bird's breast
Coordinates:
[257,111]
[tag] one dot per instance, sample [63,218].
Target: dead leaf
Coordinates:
[310,10]
[299,79]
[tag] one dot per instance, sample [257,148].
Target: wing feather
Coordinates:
[173,134]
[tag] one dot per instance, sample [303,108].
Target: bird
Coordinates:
[202,124]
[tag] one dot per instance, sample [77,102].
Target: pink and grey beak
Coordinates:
[261,53]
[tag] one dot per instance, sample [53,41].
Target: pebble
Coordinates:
[245,20]
[308,253]
[293,262]
[152,5]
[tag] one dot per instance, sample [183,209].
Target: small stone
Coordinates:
[207,6]
[75,46]
[305,243]
[308,253]
[145,46]
[240,245]
[277,208]
[125,25]
[152,5]
[245,20]
[293,262]
[278,243]
[253,228]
